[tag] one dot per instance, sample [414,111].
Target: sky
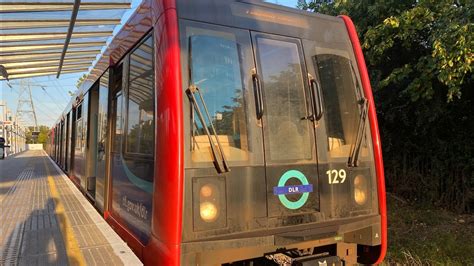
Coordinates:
[50,95]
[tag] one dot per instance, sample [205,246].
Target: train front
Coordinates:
[282,154]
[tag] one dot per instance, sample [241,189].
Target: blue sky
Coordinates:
[51,95]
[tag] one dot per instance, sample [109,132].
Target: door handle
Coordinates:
[258,94]
[316,98]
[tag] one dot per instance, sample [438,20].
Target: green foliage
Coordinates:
[420,55]
[419,42]
[42,137]
[439,33]
[79,82]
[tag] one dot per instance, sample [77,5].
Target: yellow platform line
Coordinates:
[74,254]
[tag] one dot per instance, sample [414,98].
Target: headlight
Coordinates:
[208,203]
[208,211]
[360,190]
[206,191]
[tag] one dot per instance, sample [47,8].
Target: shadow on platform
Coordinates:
[38,240]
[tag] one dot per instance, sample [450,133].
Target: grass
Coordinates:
[423,235]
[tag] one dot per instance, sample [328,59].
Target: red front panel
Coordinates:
[374,129]
[168,186]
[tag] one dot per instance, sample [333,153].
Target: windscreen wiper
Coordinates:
[355,148]
[364,110]
[191,94]
[194,144]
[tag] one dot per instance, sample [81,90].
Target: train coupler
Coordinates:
[297,258]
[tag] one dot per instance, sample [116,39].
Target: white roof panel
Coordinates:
[41,37]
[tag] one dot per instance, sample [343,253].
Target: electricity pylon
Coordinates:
[25,107]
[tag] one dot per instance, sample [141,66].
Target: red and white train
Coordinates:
[231,132]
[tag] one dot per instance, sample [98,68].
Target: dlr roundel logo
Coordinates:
[282,189]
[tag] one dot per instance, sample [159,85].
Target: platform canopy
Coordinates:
[50,37]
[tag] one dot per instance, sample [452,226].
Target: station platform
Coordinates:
[46,220]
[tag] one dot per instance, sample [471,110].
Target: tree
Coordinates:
[419,55]
[420,42]
[42,137]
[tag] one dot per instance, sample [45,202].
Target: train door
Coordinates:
[60,143]
[68,140]
[132,158]
[56,143]
[287,106]
[63,143]
[115,128]
[91,140]
[101,173]
[80,139]
[72,141]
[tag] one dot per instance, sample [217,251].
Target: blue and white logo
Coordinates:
[282,190]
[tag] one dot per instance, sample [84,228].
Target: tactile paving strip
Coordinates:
[14,209]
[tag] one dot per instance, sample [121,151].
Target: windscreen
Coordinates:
[339,88]
[215,70]
[287,134]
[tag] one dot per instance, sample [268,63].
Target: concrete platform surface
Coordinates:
[46,220]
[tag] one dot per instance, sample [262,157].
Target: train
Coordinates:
[230,132]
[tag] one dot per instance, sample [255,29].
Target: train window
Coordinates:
[118,123]
[78,136]
[102,116]
[140,119]
[340,101]
[79,131]
[116,86]
[283,84]
[79,112]
[215,68]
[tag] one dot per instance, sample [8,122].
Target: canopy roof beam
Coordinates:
[45,37]
[4,50]
[46,68]
[47,73]
[50,36]
[9,7]
[75,10]
[67,61]
[41,23]
[43,56]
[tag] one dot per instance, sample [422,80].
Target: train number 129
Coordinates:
[336,176]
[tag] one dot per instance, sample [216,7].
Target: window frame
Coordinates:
[305,90]
[253,125]
[79,120]
[79,111]
[126,101]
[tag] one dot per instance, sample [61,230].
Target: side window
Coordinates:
[341,109]
[79,112]
[78,121]
[102,116]
[116,86]
[141,99]
[215,68]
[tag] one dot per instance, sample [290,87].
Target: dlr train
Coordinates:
[222,132]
